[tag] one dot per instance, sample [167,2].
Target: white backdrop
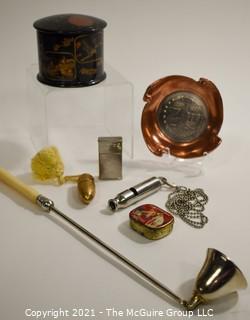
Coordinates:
[44,265]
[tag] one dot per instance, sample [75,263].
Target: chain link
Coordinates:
[189,205]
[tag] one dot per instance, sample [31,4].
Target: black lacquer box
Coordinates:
[70,50]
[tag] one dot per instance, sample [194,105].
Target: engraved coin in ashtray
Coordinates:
[182,117]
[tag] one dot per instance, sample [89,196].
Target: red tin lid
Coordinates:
[151,216]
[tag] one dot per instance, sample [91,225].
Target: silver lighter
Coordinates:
[136,193]
[110,158]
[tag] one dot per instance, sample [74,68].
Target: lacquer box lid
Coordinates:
[70,50]
[70,23]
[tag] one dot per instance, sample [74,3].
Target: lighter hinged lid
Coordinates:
[110,145]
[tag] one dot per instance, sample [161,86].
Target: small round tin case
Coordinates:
[151,221]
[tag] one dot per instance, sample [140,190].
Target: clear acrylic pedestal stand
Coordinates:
[189,167]
[73,118]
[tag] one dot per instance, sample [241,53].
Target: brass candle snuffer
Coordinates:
[218,277]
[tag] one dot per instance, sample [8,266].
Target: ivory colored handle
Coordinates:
[16,184]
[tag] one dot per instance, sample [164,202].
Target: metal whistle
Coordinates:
[136,193]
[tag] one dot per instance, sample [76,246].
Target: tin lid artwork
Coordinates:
[70,50]
[182,117]
[151,221]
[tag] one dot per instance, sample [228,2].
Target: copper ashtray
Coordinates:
[182,117]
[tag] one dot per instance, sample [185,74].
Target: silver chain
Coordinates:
[188,205]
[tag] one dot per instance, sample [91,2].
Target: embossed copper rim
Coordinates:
[158,141]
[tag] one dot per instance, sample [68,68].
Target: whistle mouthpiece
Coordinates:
[123,199]
[113,204]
